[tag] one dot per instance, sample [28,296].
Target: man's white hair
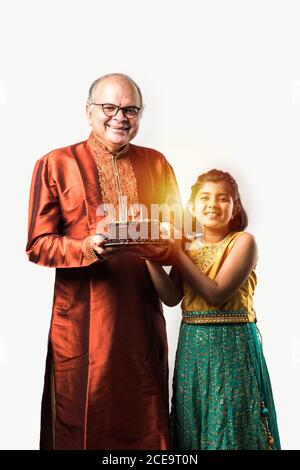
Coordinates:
[112,75]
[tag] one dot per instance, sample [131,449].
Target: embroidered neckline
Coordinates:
[204,257]
[116,175]
[208,244]
[198,245]
[101,149]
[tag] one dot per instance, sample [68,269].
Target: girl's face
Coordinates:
[213,205]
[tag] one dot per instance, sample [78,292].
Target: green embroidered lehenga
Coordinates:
[222,396]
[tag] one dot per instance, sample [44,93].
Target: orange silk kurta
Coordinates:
[106,380]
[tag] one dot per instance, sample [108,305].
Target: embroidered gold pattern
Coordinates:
[204,257]
[128,181]
[115,172]
[215,316]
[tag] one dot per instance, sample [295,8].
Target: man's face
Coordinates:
[116,131]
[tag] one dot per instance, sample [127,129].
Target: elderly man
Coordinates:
[106,380]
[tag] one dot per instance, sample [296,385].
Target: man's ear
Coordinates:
[88,109]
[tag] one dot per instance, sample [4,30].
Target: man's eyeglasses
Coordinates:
[112,110]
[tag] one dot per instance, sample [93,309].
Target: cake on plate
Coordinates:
[134,232]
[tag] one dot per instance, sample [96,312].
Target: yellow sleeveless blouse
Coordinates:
[239,308]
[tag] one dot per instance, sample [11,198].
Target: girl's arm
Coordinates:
[233,273]
[167,287]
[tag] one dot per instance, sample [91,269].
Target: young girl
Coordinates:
[222,397]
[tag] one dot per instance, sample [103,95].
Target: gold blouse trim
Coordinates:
[216,316]
[205,256]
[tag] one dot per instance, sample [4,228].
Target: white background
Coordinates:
[221,82]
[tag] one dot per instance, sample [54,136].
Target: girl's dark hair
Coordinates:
[240,220]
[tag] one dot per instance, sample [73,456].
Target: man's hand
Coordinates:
[98,245]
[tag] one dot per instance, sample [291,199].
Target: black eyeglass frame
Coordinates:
[124,109]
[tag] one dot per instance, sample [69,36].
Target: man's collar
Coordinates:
[99,147]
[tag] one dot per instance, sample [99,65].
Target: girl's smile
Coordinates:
[214,207]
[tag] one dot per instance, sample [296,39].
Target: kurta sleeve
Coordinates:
[46,245]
